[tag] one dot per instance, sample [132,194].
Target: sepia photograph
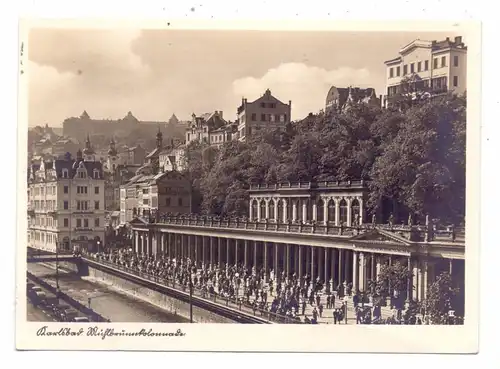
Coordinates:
[285,177]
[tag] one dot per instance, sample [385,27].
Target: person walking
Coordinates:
[328,302]
[320,310]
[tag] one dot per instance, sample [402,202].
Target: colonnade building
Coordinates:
[323,244]
[336,202]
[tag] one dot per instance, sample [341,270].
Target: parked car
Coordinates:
[38,298]
[68,314]
[80,319]
[29,286]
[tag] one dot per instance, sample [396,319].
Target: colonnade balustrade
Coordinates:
[280,261]
[334,210]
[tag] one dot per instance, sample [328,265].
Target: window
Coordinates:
[189,136]
[145,190]
[263,117]
[66,189]
[85,223]
[82,174]
[96,174]
[443,61]
[262,105]
[435,63]
[426,65]
[167,201]
[455,81]
[455,61]
[66,207]
[405,70]
[96,222]
[145,201]
[66,222]
[391,72]
[398,71]
[96,205]
[78,223]
[42,191]
[96,190]
[180,201]
[254,117]
[419,66]
[412,68]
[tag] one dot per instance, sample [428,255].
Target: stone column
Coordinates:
[362,272]
[341,266]
[294,210]
[320,262]
[307,251]
[337,211]
[304,210]
[250,210]
[245,254]
[255,254]
[136,239]
[326,202]
[355,271]
[204,249]
[313,261]
[287,260]
[196,252]
[267,208]
[275,202]
[265,261]
[314,210]
[372,267]
[377,267]
[276,257]
[424,282]
[361,211]
[284,203]
[333,270]
[299,259]
[326,263]
[212,251]
[236,253]
[349,212]
[409,283]
[147,242]
[219,251]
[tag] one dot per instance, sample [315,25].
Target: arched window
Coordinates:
[309,210]
[262,209]
[254,209]
[331,211]
[271,210]
[65,173]
[343,211]
[320,211]
[355,211]
[280,211]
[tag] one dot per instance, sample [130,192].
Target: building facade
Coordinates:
[436,66]
[166,192]
[267,112]
[66,203]
[209,129]
[338,99]
[333,203]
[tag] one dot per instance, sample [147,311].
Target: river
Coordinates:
[110,303]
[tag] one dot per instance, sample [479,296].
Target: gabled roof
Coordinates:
[377,235]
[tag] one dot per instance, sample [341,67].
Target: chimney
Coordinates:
[458,39]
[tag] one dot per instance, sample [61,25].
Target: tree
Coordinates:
[392,278]
[439,299]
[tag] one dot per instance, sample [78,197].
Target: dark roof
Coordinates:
[71,167]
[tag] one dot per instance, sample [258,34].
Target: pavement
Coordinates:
[34,314]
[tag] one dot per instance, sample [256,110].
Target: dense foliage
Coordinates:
[413,154]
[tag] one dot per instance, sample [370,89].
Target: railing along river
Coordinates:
[234,303]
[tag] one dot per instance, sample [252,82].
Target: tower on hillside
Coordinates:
[88,151]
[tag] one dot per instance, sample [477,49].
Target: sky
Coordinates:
[156,73]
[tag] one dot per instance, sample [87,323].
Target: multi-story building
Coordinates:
[209,128]
[265,112]
[66,203]
[166,192]
[436,66]
[339,99]
[172,157]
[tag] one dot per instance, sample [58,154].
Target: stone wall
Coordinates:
[154,297]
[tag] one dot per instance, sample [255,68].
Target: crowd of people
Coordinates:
[271,292]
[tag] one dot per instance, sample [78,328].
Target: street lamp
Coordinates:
[191,299]
[57,266]
[98,248]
